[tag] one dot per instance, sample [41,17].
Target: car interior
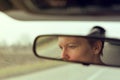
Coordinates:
[45,46]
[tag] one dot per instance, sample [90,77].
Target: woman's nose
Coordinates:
[64,55]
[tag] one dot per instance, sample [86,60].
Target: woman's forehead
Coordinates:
[70,38]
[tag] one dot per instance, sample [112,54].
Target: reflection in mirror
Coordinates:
[47,46]
[111,54]
[78,49]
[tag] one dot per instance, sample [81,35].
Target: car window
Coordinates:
[17,58]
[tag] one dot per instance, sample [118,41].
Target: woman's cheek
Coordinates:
[73,57]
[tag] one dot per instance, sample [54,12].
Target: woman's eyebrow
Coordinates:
[72,44]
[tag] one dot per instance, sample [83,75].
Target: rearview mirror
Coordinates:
[78,49]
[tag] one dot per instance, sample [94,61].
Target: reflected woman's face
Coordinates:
[75,49]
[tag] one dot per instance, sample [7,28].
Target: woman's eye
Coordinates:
[60,47]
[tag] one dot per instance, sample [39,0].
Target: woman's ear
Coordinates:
[97,47]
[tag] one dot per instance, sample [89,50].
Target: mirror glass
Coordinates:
[92,50]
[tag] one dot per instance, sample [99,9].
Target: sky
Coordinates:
[12,31]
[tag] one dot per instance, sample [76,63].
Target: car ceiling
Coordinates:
[18,9]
